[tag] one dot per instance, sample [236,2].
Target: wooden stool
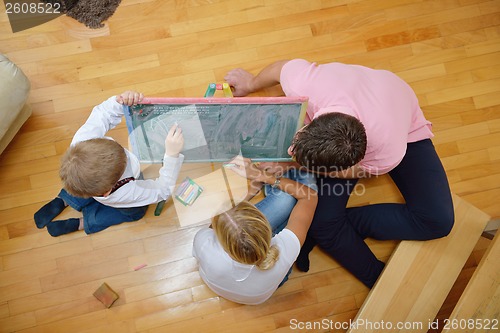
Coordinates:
[478,308]
[419,276]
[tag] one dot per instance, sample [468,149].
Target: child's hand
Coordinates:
[246,168]
[174,141]
[129,98]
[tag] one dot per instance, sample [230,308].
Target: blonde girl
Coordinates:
[249,250]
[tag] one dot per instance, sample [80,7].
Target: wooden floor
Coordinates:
[447,50]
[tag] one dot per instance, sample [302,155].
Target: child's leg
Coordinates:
[75,202]
[277,205]
[53,208]
[61,227]
[97,217]
[48,212]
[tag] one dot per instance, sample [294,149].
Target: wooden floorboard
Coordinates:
[447,50]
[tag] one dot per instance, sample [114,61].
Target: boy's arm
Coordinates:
[148,191]
[244,83]
[153,191]
[106,116]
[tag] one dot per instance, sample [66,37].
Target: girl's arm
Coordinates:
[303,212]
[307,199]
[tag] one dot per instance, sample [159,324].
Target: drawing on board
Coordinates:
[216,129]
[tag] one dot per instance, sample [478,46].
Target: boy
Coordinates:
[101,178]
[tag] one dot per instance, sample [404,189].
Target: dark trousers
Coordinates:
[427,214]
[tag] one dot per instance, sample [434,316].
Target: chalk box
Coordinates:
[188,191]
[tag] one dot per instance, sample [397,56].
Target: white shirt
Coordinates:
[107,116]
[241,283]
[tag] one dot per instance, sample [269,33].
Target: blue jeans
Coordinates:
[277,205]
[427,213]
[97,217]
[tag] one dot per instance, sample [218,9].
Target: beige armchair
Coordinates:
[14,91]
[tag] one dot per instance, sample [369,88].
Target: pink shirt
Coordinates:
[385,104]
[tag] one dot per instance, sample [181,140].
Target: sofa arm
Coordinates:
[14,91]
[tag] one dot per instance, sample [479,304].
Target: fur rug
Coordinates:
[92,13]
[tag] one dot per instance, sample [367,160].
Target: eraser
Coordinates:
[106,295]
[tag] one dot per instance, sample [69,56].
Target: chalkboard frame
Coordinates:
[291,110]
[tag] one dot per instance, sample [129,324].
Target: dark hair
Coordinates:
[333,141]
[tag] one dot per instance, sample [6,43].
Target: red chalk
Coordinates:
[139,267]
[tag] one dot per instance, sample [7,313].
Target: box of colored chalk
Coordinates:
[188,191]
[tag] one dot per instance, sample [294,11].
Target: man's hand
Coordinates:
[129,98]
[241,81]
[247,169]
[174,141]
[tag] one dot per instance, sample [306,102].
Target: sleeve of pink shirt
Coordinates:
[293,77]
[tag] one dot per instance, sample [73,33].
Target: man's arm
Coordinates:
[244,83]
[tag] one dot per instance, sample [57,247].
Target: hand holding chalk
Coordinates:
[174,141]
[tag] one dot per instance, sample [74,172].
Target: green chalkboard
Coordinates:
[216,129]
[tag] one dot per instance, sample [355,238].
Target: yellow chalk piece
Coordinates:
[227,90]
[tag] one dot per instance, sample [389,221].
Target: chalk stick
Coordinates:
[159,207]
[182,187]
[210,90]
[187,192]
[191,196]
[136,268]
[227,90]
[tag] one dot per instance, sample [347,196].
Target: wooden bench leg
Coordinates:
[478,309]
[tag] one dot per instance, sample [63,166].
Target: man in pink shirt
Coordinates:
[360,122]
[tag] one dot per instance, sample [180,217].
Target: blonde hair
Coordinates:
[245,234]
[91,168]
